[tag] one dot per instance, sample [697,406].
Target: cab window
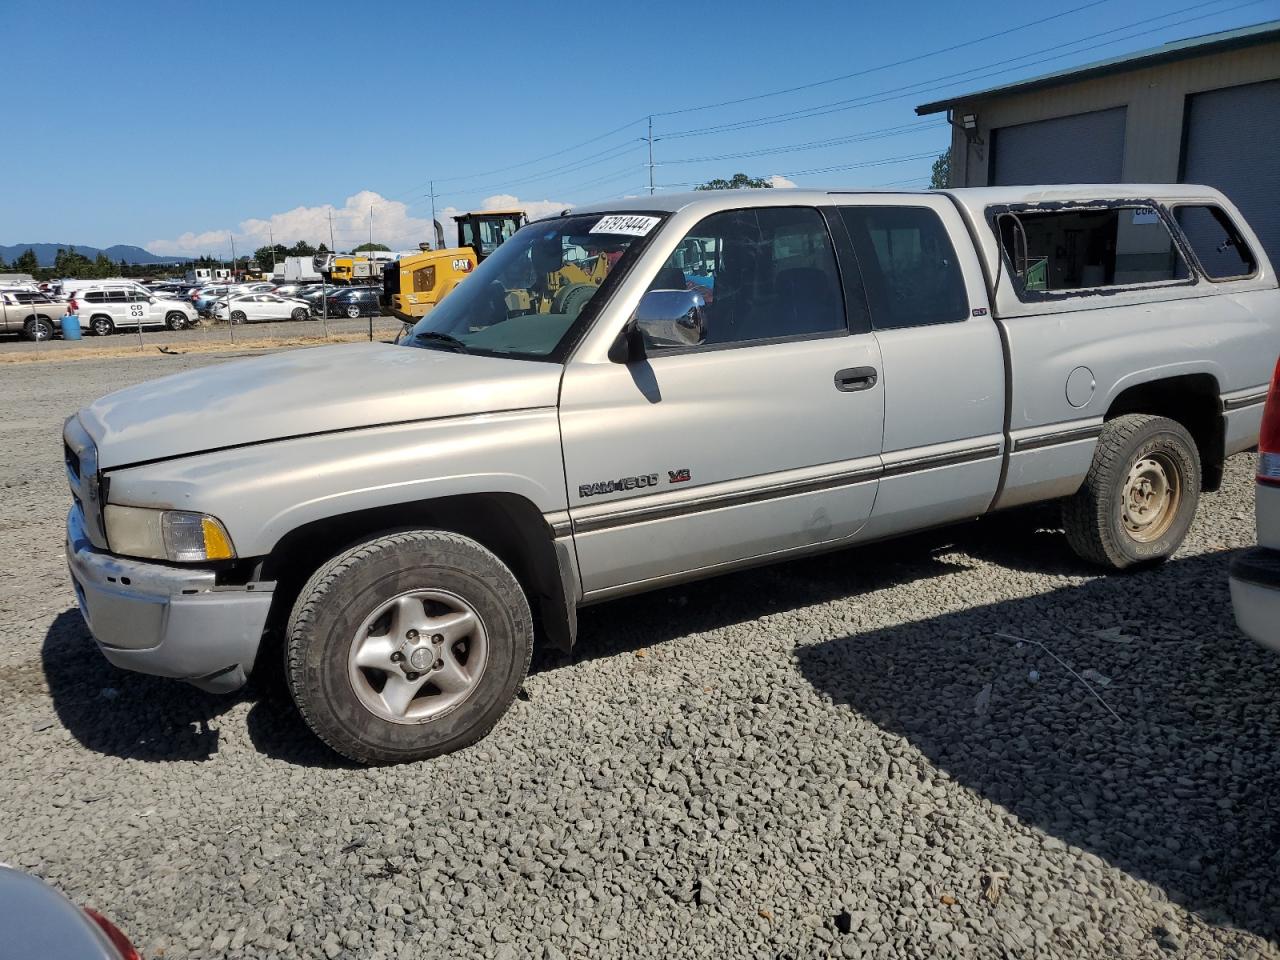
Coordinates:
[765,274]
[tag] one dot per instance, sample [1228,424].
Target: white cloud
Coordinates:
[393,224]
[778,180]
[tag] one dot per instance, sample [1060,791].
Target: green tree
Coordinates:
[941,175]
[739,181]
[103,267]
[301,249]
[264,255]
[366,247]
[26,262]
[322,249]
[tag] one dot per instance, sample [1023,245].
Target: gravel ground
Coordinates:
[845,756]
[208,332]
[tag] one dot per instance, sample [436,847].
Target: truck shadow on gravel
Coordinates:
[1182,790]
[1022,539]
[138,717]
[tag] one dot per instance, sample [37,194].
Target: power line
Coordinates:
[896,93]
[880,134]
[883,66]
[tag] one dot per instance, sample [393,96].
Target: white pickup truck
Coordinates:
[759,375]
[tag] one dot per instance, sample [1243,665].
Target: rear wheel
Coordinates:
[237,316]
[1139,498]
[353,312]
[175,320]
[102,326]
[38,328]
[408,646]
[572,299]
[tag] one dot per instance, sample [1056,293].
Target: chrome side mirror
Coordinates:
[671,318]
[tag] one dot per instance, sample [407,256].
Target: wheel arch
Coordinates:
[509,525]
[1193,400]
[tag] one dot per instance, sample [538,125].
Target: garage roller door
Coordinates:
[1083,148]
[1233,143]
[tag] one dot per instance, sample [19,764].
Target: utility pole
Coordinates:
[230,323]
[371,262]
[332,248]
[272,235]
[650,139]
[431,185]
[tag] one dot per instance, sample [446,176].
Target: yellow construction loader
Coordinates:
[414,284]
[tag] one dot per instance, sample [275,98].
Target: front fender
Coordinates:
[263,491]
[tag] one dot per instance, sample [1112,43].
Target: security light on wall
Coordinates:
[968,122]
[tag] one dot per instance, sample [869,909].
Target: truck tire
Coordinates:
[38,328]
[102,326]
[408,646]
[1140,495]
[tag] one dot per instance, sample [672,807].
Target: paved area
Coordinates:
[877,753]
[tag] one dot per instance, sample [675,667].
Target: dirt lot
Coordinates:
[848,756]
[206,337]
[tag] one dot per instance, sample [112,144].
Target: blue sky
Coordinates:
[171,125]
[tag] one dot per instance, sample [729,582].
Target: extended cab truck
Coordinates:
[829,369]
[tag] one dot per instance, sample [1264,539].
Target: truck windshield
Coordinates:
[527,298]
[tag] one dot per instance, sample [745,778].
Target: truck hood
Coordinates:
[309,391]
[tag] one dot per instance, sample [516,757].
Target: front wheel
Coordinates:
[408,646]
[299,314]
[38,328]
[175,320]
[1140,495]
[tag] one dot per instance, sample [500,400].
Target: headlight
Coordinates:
[175,535]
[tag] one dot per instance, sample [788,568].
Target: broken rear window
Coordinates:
[1214,239]
[1085,248]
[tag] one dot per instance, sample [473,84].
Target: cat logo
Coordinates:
[461,264]
[679,476]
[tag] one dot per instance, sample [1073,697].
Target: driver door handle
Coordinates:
[852,379]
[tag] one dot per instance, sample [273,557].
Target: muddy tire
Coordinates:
[1140,495]
[407,646]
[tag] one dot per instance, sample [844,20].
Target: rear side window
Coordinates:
[117,296]
[909,266]
[1216,242]
[95,297]
[1083,248]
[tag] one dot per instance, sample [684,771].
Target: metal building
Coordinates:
[1201,110]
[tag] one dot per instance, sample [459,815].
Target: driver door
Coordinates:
[763,440]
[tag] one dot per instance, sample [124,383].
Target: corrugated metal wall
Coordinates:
[1233,143]
[1084,148]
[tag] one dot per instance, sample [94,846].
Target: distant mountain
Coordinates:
[45,252]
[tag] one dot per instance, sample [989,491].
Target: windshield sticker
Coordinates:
[625,224]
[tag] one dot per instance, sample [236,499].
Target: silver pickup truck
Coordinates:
[632,395]
[31,315]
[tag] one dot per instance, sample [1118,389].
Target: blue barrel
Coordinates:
[71,327]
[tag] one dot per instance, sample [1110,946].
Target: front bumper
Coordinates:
[167,621]
[1255,594]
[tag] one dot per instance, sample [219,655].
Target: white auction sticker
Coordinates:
[625,224]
